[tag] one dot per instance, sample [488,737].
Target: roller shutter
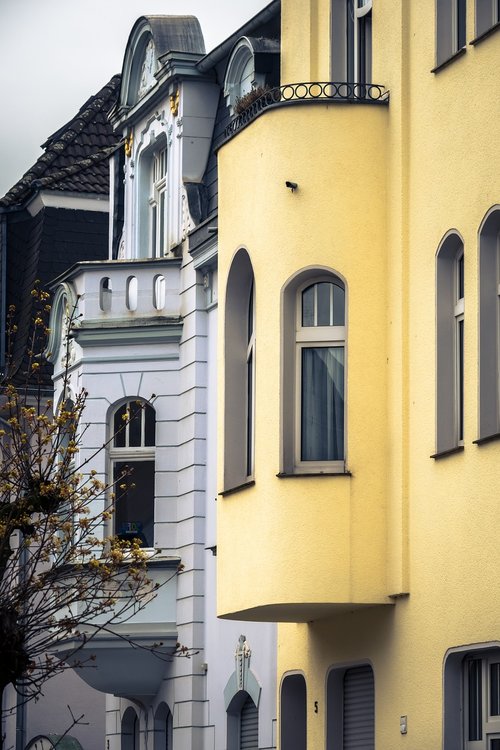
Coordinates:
[249,726]
[359,709]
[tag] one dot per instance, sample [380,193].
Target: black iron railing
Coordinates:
[294,93]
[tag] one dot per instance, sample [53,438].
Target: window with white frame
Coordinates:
[320,372]
[450,28]
[487,15]
[352,40]
[157,203]
[313,373]
[240,75]
[472,699]
[450,343]
[132,457]
[489,324]
[152,203]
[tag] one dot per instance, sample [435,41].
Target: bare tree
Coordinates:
[62,579]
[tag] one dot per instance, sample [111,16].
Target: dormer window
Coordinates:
[240,75]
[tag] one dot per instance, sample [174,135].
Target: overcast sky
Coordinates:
[55,53]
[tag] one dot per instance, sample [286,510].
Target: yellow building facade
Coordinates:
[359,419]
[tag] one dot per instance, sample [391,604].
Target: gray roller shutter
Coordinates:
[359,709]
[249,726]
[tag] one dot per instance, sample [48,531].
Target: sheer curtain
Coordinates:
[322,428]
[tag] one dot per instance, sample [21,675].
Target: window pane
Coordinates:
[324,304]
[149,432]
[250,416]
[460,379]
[119,427]
[134,428]
[460,277]
[322,412]
[162,224]
[495,689]
[475,699]
[338,305]
[134,510]
[494,745]
[308,306]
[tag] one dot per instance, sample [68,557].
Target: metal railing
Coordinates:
[294,93]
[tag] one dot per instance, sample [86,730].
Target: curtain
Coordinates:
[322,408]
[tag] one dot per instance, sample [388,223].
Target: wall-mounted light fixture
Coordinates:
[291,185]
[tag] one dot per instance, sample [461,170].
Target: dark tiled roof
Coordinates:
[75,157]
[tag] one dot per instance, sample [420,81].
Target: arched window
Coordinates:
[472,697]
[130,730]
[489,312]
[163,728]
[314,331]
[239,414]
[240,74]
[350,708]
[293,713]
[450,286]
[132,455]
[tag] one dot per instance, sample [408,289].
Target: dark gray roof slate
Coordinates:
[75,156]
[176,34]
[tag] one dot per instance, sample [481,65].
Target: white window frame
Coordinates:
[140,453]
[490,724]
[315,337]
[158,203]
[238,81]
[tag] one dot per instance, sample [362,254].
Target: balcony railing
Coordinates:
[297,93]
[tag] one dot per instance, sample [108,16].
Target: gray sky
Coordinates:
[54,54]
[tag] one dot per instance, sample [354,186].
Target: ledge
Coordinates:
[297,475]
[489,32]
[487,439]
[238,487]
[449,60]
[449,452]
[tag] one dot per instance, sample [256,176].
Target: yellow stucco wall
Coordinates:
[378,189]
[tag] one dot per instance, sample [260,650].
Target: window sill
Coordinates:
[449,60]
[487,439]
[486,34]
[232,490]
[449,452]
[298,474]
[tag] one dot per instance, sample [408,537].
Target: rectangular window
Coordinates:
[450,28]
[487,15]
[322,397]
[352,42]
